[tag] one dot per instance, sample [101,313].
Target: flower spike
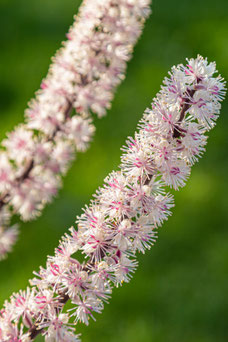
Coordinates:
[82,79]
[125,214]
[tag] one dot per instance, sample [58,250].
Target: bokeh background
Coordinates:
[179,292]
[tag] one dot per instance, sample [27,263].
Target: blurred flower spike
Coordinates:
[81,82]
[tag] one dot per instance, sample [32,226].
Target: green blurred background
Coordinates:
[179,292]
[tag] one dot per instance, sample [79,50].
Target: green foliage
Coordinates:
[179,292]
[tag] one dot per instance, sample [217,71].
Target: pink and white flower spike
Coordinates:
[125,214]
[81,81]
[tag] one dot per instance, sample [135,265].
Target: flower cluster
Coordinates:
[125,213]
[82,78]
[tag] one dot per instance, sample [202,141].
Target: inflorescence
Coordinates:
[124,215]
[82,80]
